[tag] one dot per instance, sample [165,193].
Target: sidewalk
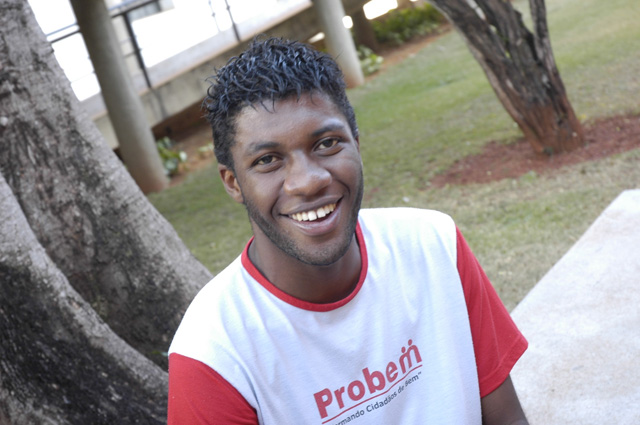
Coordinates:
[582,321]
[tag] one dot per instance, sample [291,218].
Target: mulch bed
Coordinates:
[498,161]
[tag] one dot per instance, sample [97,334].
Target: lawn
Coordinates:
[421,115]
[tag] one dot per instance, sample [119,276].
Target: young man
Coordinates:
[332,314]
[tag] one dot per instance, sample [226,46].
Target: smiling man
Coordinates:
[331,314]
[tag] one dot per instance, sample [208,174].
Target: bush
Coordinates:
[369,61]
[400,25]
[171,159]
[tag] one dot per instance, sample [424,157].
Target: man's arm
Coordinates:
[198,395]
[502,407]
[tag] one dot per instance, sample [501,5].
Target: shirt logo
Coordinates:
[373,384]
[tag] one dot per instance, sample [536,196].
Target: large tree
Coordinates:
[93,280]
[520,67]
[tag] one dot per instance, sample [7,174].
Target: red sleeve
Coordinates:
[198,395]
[497,342]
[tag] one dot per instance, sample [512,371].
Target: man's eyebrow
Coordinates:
[260,146]
[328,128]
[268,145]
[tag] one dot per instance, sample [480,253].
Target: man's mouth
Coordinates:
[314,214]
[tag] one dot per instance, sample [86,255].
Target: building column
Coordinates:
[135,139]
[339,41]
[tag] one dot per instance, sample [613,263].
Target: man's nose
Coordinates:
[305,177]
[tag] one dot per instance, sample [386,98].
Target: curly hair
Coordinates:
[269,70]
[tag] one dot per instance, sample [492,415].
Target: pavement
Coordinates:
[582,321]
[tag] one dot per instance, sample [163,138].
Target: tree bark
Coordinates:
[98,228]
[520,67]
[59,363]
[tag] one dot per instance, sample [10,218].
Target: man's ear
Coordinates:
[230,183]
[358,142]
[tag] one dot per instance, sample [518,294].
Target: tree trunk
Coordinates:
[59,363]
[520,67]
[97,227]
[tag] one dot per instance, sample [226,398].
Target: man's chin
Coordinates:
[323,260]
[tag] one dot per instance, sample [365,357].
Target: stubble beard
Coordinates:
[324,257]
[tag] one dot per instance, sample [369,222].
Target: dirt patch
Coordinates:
[499,161]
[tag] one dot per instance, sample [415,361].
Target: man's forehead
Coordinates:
[273,112]
[304,99]
[259,129]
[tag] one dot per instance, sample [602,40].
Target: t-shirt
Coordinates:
[421,338]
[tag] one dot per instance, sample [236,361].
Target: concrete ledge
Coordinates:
[582,321]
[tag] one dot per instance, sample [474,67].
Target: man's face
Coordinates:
[298,171]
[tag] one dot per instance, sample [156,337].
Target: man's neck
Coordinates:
[315,284]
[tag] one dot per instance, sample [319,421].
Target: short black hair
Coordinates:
[269,70]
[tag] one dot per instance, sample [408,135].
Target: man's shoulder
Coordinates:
[404,217]
[217,292]
[408,229]
[215,305]
[226,277]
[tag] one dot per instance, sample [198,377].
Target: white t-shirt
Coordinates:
[399,349]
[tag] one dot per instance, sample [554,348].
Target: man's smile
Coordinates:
[314,214]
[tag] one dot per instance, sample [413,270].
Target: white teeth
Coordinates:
[314,214]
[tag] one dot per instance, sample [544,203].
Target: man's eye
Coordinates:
[264,160]
[327,143]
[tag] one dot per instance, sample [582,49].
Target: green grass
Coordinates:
[436,107]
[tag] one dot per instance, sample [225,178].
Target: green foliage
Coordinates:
[171,158]
[400,25]
[369,61]
[206,150]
